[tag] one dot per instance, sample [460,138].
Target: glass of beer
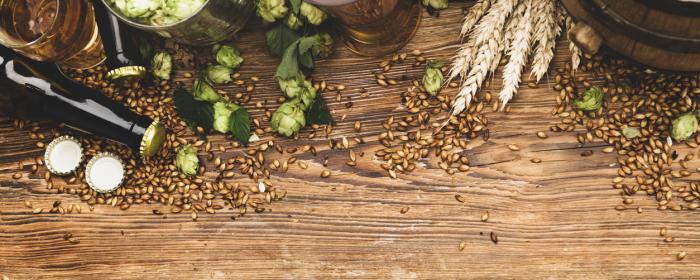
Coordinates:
[375,27]
[61,31]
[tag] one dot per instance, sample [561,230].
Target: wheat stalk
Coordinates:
[485,37]
[547,29]
[518,50]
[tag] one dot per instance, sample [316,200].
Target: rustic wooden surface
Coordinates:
[554,220]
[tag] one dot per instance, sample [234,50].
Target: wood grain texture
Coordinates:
[554,220]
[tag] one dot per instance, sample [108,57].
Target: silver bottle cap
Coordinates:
[104,172]
[63,155]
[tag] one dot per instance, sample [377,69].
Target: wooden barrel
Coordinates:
[660,33]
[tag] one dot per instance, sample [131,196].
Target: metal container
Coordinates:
[215,21]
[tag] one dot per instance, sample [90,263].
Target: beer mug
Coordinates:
[375,27]
[61,31]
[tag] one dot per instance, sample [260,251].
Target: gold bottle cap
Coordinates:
[127,72]
[63,155]
[152,139]
[104,172]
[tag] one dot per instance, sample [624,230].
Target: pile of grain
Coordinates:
[636,97]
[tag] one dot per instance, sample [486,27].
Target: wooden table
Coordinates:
[554,220]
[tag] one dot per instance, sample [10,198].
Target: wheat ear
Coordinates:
[547,29]
[462,61]
[518,50]
[573,49]
[474,15]
[486,36]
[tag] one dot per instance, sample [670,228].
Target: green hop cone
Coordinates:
[181,9]
[308,95]
[219,74]
[228,56]
[592,100]
[631,132]
[291,87]
[137,8]
[324,47]
[271,10]
[312,14]
[162,65]
[433,78]
[186,160]
[293,22]
[160,18]
[436,4]
[203,91]
[289,118]
[684,126]
[299,88]
[222,116]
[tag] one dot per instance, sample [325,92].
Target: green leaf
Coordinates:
[307,60]
[306,43]
[319,113]
[280,38]
[240,125]
[296,5]
[194,113]
[289,66]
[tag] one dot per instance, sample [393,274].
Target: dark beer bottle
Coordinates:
[35,90]
[123,59]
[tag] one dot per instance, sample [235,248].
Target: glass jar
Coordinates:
[375,27]
[60,31]
[215,21]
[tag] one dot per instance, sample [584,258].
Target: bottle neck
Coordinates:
[119,49]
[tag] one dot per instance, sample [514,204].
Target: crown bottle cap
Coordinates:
[152,139]
[104,172]
[63,155]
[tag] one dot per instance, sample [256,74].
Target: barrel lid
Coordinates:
[63,155]
[104,172]
[127,72]
[152,139]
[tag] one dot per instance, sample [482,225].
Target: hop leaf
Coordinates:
[194,113]
[684,126]
[240,125]
[162,65]
[592,100]
[186,160]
